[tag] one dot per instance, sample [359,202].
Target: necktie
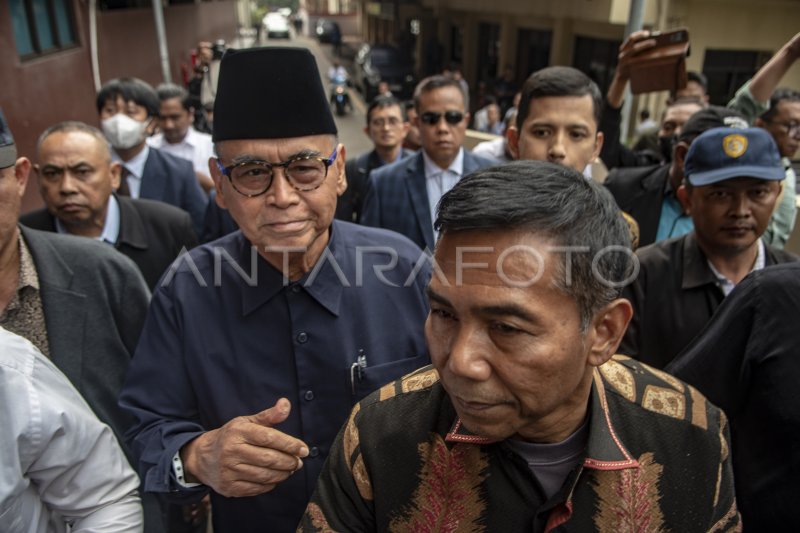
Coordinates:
[123,189]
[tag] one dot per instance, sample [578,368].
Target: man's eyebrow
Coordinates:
[509,309]
[249,158]
[438,298]
[548,124]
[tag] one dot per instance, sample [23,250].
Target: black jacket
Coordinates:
[640,192]
[151,233]
[673,298]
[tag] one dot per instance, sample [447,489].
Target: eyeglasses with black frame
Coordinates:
[254,177]
[432,118]
[792,129]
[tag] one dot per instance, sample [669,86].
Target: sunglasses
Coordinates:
[431,118]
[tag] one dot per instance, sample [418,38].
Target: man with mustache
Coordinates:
[733,179]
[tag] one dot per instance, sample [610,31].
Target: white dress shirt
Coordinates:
[135,169]
[61,469]
[110,232]
[196,147]
[438,181]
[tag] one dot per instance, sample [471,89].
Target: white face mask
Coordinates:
[123,132]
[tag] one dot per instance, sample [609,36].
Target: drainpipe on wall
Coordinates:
[635,21]
[163,52]
[93,44]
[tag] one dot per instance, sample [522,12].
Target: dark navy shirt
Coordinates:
[226,335]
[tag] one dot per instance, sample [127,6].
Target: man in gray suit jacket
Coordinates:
[81,303]
[402,196]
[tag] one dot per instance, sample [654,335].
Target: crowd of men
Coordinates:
[409,339]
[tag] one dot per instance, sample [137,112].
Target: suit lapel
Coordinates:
[131,226]
[153,181]
[64,309]
[418,191]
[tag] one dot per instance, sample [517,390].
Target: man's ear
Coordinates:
[22,169]
[341,178]
[218,178]
[115,169]
[152,126]
[607,328]
[512,139]
[598,145]
[685,199]
[679,152]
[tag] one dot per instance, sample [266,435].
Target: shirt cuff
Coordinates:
[178,472]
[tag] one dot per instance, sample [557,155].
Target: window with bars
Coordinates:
[42,26]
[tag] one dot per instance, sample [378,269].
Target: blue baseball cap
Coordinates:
[724,153]
[8,150]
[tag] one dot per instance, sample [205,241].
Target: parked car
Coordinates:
[276,26]
[328,31]
[383,62]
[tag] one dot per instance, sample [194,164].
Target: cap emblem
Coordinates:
[734,145]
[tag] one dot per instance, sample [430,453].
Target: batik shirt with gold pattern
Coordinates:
[657,459]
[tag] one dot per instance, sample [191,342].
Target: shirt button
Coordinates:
[295,288]
[309,395]
[313,452]
[302,337]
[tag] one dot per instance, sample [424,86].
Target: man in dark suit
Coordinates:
[387,126]
[128,109]
[76,179]
[80,302]
[402,196]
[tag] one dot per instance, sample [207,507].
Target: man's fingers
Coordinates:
[261,457]
[272,416]
[260,431]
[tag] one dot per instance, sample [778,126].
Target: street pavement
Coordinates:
[350,126]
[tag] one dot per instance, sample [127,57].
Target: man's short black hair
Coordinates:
[168,91]
[782,94]
[699,78]
[131,90]
[558,81]
[380,102]
[711,117]
[559,204]
[438,81]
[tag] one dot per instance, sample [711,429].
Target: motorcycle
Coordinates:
[340,97]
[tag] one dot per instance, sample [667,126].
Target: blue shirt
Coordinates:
[224,340]
[673,221]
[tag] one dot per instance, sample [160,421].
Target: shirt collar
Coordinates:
[432,169]
[190,139]
[605,450]
[110,233]
[695,265]
[727,285]
[136,164]
[324,282]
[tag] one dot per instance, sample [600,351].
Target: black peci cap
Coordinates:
[270,93]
